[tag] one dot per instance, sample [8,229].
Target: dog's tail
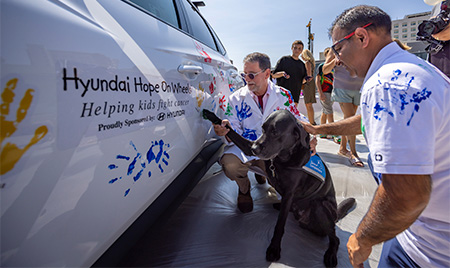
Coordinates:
[345,207]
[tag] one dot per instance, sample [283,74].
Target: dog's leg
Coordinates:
[330,257]
[274,249]
[242,143]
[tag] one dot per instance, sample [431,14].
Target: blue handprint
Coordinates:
[160,158]
[244,112]
[151,156]
[401,96]
[249,134]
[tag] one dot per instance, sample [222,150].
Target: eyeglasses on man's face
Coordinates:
[251,76]
[347,37]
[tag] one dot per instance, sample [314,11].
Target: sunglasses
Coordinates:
[250,75]
[333,47]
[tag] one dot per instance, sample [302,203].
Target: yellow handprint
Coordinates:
[10,154]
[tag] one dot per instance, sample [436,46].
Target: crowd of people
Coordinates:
[403,115]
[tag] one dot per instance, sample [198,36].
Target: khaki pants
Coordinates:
[237,171]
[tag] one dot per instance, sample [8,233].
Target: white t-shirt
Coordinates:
[405,108]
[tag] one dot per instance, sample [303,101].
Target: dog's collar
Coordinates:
[322,182]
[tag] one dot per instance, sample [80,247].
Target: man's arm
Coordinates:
[319,88]
[280,74]
[328,65]
[348,126]
[398,202]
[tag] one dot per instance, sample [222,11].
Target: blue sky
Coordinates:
[269,26]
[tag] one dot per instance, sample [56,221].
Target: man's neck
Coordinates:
[262,93]
[295,57]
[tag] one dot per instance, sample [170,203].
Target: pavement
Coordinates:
[208,230]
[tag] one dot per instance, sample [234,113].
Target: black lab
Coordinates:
[284,147]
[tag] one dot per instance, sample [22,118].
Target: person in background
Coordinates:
[401,44]
[309,88]
[441,58]
[346,91]
[405,119]
[290,71]
[251,105]
[324,83]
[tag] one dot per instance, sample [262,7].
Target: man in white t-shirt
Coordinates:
[405,117]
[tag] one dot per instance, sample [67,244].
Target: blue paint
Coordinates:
[396,74]
[132,144]
[378,109]
[113,180]
[250,134]
[133,164]
[112,166]
[151,155]
[244,112]
[418,98]
[400,96]
[138,175]
[122,157]
[161,157]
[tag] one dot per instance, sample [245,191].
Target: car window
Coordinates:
[162,9]
[199,29]
[219,44]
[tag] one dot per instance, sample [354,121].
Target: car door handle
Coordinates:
[190,69]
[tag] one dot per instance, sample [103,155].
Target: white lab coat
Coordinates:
[246,117]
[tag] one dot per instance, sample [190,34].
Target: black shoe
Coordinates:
[245,202]
[260,179]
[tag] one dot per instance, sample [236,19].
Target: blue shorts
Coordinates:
[346,96]
[393,255]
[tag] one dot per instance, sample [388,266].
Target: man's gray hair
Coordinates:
[359,16]
[261,58]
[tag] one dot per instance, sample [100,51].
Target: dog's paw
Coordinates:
[273,253]
[330,259]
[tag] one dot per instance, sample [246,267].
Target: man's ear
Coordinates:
[267,73]
[363,36]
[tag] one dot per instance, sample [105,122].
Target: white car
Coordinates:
[101,106]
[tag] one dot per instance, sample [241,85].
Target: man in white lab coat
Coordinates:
[247,109]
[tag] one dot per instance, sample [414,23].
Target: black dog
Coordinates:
[284,146]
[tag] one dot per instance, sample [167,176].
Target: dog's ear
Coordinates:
[301,135]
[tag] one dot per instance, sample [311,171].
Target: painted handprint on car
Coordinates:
[137,165]
[244,112]
[222,102]
[10,153]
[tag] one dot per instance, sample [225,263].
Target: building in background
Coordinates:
[406,30]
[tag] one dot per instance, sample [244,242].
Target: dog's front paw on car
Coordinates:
[273,253]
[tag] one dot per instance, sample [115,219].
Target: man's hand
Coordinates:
[221,130]
[312,145]
[357,252]
[309,128]
[443,35]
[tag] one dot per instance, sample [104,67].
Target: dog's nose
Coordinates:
[256,149]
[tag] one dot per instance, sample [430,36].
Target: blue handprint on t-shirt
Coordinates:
[244,112]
